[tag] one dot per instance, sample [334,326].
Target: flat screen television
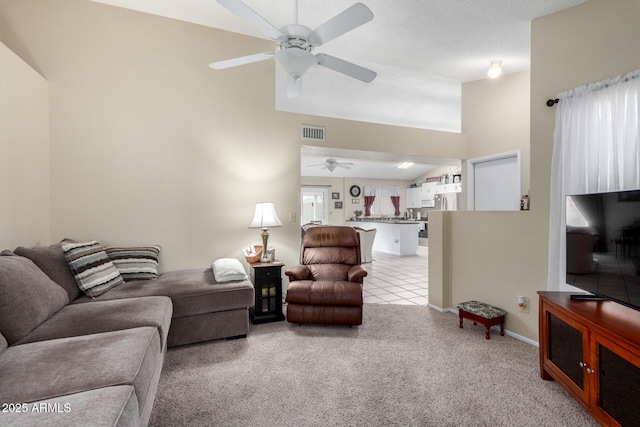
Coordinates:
[603,245]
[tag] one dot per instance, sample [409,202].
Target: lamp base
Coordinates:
[265,239]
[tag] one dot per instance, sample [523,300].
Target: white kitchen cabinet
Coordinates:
[427,194]
[449,188]
[413,197]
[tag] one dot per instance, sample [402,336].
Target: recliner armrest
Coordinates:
[356,273]
[299,272]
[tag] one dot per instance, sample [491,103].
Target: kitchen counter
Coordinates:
[398,237]
[389,221]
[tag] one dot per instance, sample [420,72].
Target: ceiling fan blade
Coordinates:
[343,165]
[347,68]
[319,164]
[294,87]
[234,62]
[349,19]
[251,16]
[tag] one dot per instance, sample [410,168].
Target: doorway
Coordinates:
[493,182]
[315,205]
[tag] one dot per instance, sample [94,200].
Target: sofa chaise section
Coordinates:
[203,309]
[56,368]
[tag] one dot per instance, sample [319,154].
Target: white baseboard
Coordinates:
[521,338]
[443,310]
[506,331]
[435,307]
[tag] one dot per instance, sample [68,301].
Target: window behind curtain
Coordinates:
[382,206]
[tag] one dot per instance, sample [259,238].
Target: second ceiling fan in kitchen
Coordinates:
[332,164]
[296,42]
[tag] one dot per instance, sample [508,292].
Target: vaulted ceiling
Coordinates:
[422,51]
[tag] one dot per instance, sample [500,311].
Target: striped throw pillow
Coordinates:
[95,274]
[135,263]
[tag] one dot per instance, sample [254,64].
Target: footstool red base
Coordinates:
[483,313]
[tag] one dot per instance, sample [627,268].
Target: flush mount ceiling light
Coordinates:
[404,165]
[495,70]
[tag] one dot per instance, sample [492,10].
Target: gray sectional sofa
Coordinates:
[70,360]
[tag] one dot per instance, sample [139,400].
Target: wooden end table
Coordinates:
[267,283]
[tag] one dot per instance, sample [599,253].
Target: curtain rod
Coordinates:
[604,84]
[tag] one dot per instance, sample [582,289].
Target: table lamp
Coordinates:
[265,217]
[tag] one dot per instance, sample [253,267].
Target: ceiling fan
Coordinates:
[332,164]
[296,43]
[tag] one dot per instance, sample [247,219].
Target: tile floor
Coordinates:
[396,279]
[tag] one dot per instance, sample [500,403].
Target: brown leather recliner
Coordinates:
[327,287]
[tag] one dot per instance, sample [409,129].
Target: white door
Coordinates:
[315,205]
[494,182]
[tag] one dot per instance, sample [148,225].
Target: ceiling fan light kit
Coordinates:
[331,164]
[296,43]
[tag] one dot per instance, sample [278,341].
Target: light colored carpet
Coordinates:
[406,365]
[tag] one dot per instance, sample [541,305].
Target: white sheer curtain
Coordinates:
[381,190]
[596,148]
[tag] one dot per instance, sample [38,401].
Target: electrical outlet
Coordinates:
[523,304]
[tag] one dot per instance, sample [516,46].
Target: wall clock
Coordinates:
[354,191]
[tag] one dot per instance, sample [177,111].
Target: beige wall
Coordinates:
[24,153]
[497,256]
[149,145]
[495,116]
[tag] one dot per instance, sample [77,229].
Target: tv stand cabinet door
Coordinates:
[616,379]
[564,352]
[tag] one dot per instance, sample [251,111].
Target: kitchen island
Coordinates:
[398,237]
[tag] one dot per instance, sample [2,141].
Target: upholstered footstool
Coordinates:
[480,312]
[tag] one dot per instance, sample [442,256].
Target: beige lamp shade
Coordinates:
[265,216]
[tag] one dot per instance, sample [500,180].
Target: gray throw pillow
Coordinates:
[28,297]
[135,263]
[95,274]
[50,259]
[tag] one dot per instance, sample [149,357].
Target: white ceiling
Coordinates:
[368,164]
[422,50]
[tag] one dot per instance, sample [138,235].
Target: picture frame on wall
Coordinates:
[335,196]
[338,205]
[355,201]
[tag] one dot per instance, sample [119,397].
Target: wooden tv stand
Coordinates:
[592,349]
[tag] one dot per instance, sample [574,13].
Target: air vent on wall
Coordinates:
[313,133]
